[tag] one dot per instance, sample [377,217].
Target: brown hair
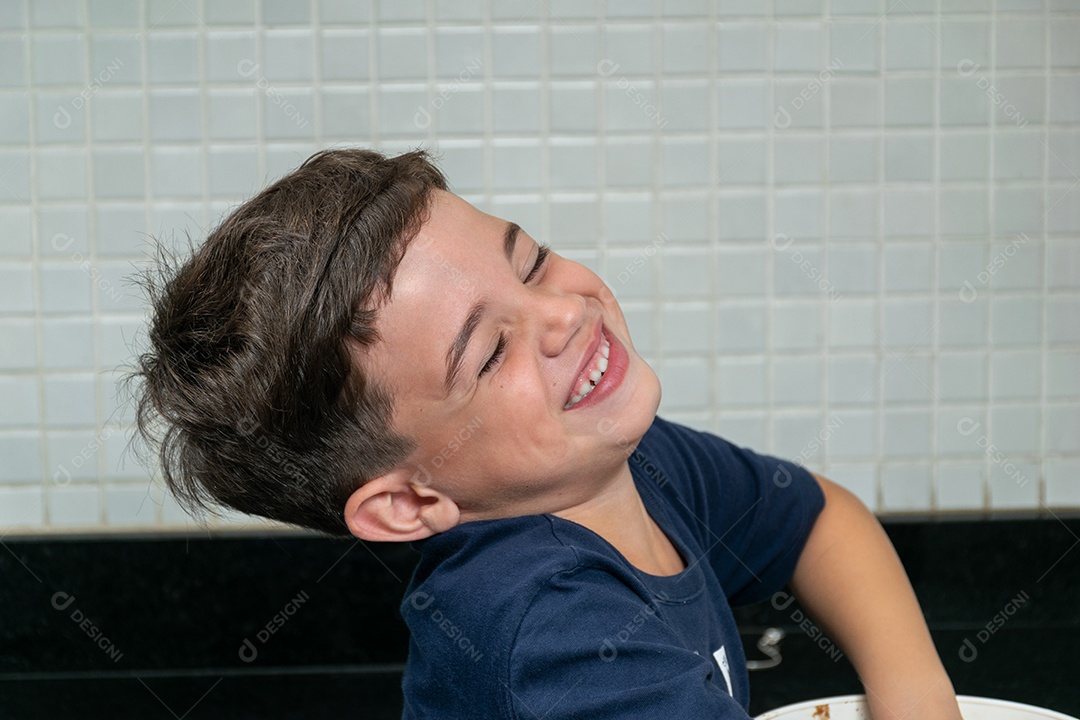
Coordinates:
[249,391]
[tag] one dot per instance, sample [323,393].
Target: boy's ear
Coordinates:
[399,507]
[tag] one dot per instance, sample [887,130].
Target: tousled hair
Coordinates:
[249,391]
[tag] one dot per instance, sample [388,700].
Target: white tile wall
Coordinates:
[860,226]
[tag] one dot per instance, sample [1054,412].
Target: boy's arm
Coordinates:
[851,580]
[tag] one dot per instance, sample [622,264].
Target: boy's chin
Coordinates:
[649,383]
[637,415]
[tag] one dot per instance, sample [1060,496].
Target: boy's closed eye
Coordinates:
[500,347]
[541,256]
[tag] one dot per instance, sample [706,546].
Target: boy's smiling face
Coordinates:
[484,346]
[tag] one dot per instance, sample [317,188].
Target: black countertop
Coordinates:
[299,626]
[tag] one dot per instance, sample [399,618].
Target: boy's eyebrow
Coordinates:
[510,236]
[456,353]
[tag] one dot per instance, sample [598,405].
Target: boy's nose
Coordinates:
[560,317]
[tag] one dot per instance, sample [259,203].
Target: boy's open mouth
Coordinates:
[592,374]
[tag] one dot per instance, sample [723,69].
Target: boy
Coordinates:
[357,350]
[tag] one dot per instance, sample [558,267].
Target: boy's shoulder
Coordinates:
[677,461]
[496,566]
[488,547]
[668,449]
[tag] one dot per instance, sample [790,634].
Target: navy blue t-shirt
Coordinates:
[540,617]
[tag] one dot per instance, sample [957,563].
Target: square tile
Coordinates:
[741,327]
[853,268]
[19,352]
[853,158]
[797,326]
[21,450]
[685,48]
[907,433]
[573,50]
[20,406]
[21,507]
[685,328]
[572,108]
[740,271]
[909,157]
[797,47]
[962,377]
[686,384]
[740,46]
[796,381]
[740,382]
[74,506]
[685,105]
[685,273]
[172,58]
[908,102]
[960,486]
[855,214]
[857,436]
[908,267]
[909,45]
[1015,430]
[741,105]
[907,487]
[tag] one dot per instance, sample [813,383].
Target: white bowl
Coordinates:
[853,707]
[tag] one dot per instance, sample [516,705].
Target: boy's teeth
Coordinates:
[594,376]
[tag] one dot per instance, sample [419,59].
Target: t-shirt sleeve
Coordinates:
[752,512]
[589,647]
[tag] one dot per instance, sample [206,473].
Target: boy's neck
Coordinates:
[619,516]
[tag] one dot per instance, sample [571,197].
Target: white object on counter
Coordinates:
[853,707]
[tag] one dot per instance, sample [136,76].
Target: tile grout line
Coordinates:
[991,182]
[770,227]
[36,269]
[1043,490]
[935,270]
[880,467]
